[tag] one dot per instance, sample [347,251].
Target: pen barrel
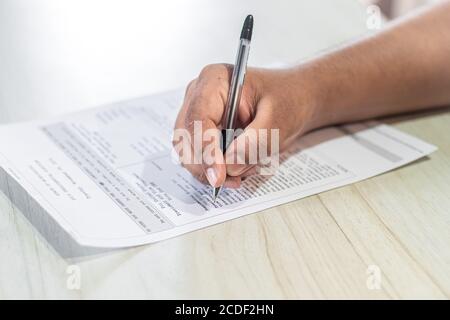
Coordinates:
[227,138]
[235,91]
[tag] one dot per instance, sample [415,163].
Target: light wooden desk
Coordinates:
[57,58]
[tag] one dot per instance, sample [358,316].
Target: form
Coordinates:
[109,177]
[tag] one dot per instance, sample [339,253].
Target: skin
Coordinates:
[404,68]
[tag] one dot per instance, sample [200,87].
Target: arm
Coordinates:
[406,67]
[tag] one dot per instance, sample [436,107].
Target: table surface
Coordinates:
[59,56]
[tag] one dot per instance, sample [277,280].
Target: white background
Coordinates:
[62,55]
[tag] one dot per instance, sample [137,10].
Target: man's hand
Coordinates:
[271,99]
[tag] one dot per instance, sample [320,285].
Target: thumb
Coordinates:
[256,145]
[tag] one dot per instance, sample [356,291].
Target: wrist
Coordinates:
[308,92]
[326,97]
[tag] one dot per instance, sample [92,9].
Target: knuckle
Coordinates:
[189,87]
[215,70]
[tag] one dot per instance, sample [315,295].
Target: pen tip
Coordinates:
[247,29]
[216,193]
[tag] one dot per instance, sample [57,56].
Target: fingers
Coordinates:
[197,170]
[200,116]
[232,182]
[207,150]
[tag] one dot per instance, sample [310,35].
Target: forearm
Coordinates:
[403,68]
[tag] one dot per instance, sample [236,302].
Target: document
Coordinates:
[108,177]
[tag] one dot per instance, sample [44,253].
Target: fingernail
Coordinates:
[212,176]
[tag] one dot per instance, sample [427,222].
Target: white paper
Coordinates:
[108,177]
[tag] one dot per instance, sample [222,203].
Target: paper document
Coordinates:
[107,175]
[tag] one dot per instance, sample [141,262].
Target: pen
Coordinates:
[236,84]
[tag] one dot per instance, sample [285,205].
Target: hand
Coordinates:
[271,99]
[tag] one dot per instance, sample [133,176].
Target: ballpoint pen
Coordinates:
[236,84]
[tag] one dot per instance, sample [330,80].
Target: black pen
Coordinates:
[236,84]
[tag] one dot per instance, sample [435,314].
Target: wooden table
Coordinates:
[386,237]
